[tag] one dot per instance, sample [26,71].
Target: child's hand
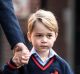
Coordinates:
[21,57]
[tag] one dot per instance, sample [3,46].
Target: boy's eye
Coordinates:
[49,36]
[39,35]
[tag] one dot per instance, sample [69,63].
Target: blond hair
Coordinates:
[45,17]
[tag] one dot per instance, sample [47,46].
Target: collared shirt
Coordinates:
[51,54]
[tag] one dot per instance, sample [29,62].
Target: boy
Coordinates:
[42,33]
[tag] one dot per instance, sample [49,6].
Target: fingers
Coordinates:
[24,60]
[20,59]
[25,57]
[21,55]
[16,60]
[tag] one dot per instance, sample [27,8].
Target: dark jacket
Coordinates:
[10,23]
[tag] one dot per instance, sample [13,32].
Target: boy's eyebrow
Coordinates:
[49,33]
[42,33]
[38,33]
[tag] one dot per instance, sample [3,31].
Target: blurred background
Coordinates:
[67,40]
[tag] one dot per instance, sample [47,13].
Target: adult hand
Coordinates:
[21,54]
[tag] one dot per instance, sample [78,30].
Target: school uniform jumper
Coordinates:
[54,65]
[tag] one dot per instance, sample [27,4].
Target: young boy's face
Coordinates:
[41,37]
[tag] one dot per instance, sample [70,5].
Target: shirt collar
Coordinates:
[52,52]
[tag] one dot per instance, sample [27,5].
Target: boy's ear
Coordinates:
[29,36]
[56,35]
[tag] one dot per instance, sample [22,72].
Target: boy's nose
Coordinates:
[44,39]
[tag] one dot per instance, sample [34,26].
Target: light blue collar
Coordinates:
[51,54]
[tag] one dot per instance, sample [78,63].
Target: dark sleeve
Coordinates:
[68,70]
[11,68]
[10,23]
[64,66]
[8,70]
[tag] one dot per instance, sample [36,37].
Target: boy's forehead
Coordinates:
[40,28]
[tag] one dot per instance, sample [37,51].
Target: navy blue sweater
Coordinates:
[56,65]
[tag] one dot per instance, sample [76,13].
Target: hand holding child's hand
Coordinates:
[21,57]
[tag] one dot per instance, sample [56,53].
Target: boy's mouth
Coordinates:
[43,47]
